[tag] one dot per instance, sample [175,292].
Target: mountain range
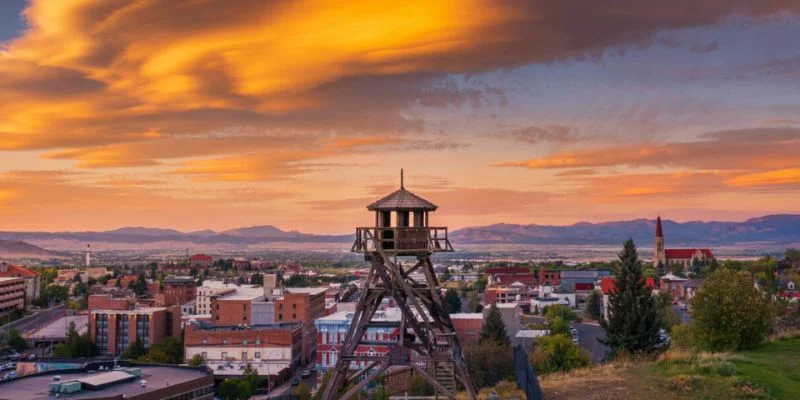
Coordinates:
[773,229]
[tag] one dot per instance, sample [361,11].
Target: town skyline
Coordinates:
[212,115]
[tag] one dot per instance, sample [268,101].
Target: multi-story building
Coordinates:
[305,305]
[236,308]
[66,275]
[274,350]
[216,289]
[96,272]
[113,331]
[201,261]
[177,290]
[332,329]
[31,279]
[12,295]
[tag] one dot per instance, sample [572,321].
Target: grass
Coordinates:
[771,371]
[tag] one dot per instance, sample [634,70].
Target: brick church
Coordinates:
[663,257]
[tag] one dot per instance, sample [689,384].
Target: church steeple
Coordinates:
[659,255]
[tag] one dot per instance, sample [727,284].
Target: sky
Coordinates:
[219,114]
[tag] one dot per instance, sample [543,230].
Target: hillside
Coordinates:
[767,372]
[20,249]
[767,229]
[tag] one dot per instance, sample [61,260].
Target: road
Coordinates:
[39,319]
[286,387]
[590,334]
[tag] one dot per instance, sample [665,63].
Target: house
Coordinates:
[608,286]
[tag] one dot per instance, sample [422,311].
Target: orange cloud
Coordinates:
[781,177]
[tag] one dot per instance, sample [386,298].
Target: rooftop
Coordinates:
[402,200]
[58,328]
[310,290]
[277,325]
[140,310]
[466,316]
[157,377]
[4,279]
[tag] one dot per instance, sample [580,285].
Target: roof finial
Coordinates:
[401,179]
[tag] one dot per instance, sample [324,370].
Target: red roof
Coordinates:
[584,286]
[201,257]
[608,286]
[659,231]
[16,271]
[686,254]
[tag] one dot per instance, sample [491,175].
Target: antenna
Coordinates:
[401,179]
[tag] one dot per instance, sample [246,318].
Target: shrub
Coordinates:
[557,353]
[681,336]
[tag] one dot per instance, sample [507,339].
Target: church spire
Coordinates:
[659,231]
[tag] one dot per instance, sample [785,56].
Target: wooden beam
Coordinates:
[364,382]
[434,382]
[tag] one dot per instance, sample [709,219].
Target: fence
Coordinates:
[526,377]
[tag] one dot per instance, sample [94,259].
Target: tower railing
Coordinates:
[402,240]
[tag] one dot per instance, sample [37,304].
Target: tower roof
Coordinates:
[402,200]
[659,231]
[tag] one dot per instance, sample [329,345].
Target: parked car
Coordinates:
[31,357]
[305,374]
[295,382]
[8,366]
[12,374]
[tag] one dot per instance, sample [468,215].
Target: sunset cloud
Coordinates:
[182,108]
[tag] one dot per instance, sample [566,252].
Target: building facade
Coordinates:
[305,305]
[177,290]
[663,257]
[31,279]
[12,295]
[113,331]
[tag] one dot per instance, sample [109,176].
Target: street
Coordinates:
[286,387]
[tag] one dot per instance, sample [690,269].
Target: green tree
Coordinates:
[473,301]
[729,313]
[139,286]
[197,360]
[557,353]
[793,257]
[233,389]
[452,301]
[76,345]
[257,279]
[558,326]
[594,305]
[80,289]
[666,315]
[170,351]
[677,270]
[302,392]
[633,320]
[54,294]
[488,364]
[481,283]
[16,341]
[560,310]
[134,351]
[494,329]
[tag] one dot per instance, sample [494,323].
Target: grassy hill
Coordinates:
[771,371]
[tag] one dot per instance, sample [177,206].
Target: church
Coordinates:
[663,257]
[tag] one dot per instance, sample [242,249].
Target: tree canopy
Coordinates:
[594,305]
[494,329]
[729,313]
[452,301]
[633,321]
[76,345]
[557,353]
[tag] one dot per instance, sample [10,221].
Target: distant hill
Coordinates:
[20,249]
[768,229]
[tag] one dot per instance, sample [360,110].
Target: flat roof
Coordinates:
[3,279]
[309,290]
[277,325]
[58,327]
[158,377]
[140,310]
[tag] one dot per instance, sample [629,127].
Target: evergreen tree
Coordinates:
[473,301]
[594,305]
[452,301]
[134,351]
[633,319]
[494,329]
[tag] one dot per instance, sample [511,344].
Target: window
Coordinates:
[294,316]
[244,341]
[205,341]
[280,317]
[224,355]
[244,307]
[204,354]
[224,341]
[294,306]
[258,355]
[258,341]
[244,355]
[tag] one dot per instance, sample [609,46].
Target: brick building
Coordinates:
[108,301]
[12,295]
[467,326]
[31,279]
[177,290]
[305,305]
[201,261]
[274,350]
[113,331]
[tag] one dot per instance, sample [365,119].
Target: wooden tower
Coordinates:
[427,344]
